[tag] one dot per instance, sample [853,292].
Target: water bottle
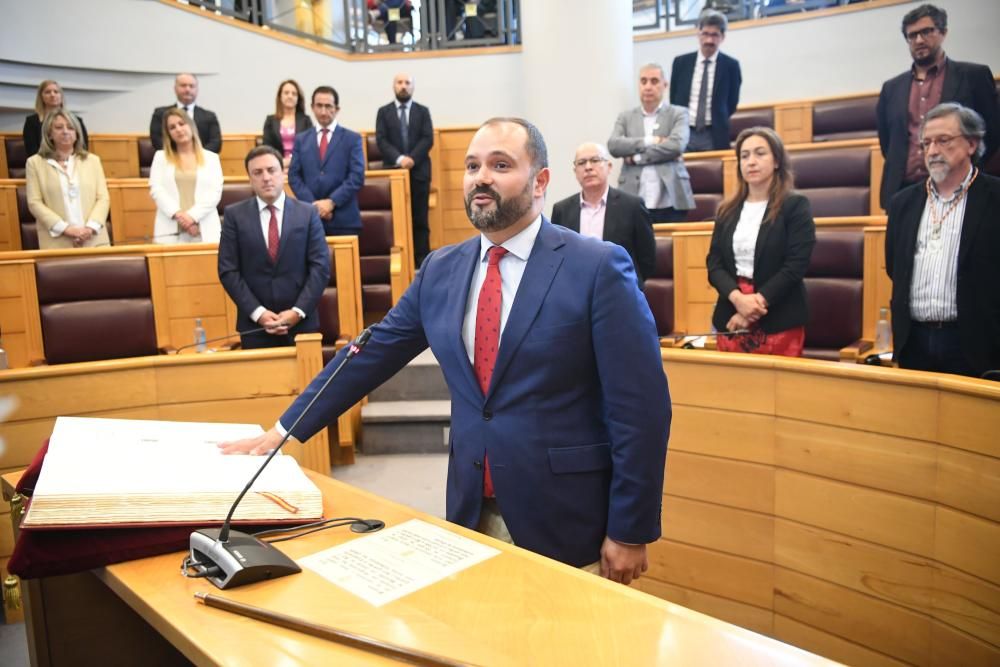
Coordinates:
[3,355]
[199,335]
[883,331]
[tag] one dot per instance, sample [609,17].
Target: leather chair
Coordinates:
[95,308]
[835,292]
[29,230]
[743,119]
[837,182]
[375,245]
[659,287]
[845,119]
[372,152]
[16,157]
[706,183]
[329,316]
[233,193]
[146,153]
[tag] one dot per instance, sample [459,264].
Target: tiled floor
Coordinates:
[417,480]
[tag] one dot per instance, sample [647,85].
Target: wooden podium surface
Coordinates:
[517,608]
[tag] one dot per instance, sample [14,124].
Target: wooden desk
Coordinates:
[515,609]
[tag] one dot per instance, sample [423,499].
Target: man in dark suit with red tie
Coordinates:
[273,259]
[405,136]
[559,403]
[328,167]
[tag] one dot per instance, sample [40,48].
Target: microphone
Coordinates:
[230,558]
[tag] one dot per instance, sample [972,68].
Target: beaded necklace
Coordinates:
[938,220]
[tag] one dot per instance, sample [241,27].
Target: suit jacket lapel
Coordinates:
[253,230]
[538,274]
[338,136]
[458,297]
[949,89]
[975,213]
[288,222]
[612,220]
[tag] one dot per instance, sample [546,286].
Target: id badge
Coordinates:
[471,9]
[394,14]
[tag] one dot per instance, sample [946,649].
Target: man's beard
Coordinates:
[929,59]
[403,96]
[503,215]
[938,170]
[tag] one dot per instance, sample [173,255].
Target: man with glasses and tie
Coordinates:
[186,90]
[942,252]
[707,82]
[328,167]
[405,136]
[607,213]
[273,259]
[933,78]
[559,403]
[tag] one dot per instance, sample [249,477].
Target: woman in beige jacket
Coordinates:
[66,189]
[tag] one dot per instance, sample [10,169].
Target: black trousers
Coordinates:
[669,214]
[420,192]
[936,348]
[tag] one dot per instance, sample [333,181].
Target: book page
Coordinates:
[397,561]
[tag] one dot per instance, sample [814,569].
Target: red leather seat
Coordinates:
[659,287]
[375,244]
[837,182]
[329,315]
[706,183]
[95,308]
[745,118]
[146,153]
[16,157]
[835,292]
[373,152]
[232,193]
[845,119]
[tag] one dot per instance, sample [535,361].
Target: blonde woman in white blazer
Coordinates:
[185,181]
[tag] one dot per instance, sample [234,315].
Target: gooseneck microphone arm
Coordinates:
[356,346]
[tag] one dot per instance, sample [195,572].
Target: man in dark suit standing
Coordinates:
[405,136]
[328,167]
[707,82]
[942,252]
[273,259]
[932,79]
[606,213]
[559,404]
[186,89]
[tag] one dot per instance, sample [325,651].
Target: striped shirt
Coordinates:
[935,266]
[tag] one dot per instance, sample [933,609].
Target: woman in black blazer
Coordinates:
[761,246]
[48,98]
[289,118]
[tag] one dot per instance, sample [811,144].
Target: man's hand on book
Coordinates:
[258,446]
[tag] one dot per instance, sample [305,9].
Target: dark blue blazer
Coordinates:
[339,177]
[576,419]
[297,279]
[725,91]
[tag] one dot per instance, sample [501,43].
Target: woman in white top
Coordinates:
[66,190]
[761,246]
[185,181]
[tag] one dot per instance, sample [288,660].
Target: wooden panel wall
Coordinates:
[454,224]
[849,510]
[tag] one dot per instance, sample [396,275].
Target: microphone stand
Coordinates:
[230,558]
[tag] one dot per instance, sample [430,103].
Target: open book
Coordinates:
[124,472]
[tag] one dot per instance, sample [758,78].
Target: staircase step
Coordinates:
[419,380]
[405,427]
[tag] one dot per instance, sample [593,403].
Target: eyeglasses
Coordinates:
[584,161]
[943,142]
[917,34]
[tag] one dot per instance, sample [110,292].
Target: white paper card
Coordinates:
[397,561]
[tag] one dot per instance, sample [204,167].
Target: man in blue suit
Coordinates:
[328,167]
[559,432]
[273,259]
[707,82]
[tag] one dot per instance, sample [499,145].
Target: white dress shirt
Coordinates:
[265,226]
[699,67]
[651,189]
[592,216]
[934,289]
[745,236]
[511,271]
[329,137]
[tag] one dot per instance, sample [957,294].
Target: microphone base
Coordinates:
[242,560]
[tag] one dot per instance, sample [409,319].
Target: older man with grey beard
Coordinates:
[942,252]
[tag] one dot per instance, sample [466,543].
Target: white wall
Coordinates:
[837,55]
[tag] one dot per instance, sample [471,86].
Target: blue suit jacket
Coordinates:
[338,177]
[576,419]
[296,279]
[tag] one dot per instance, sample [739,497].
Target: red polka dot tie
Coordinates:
[488,337]
[272,236]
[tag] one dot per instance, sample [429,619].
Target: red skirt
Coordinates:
[787,343]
